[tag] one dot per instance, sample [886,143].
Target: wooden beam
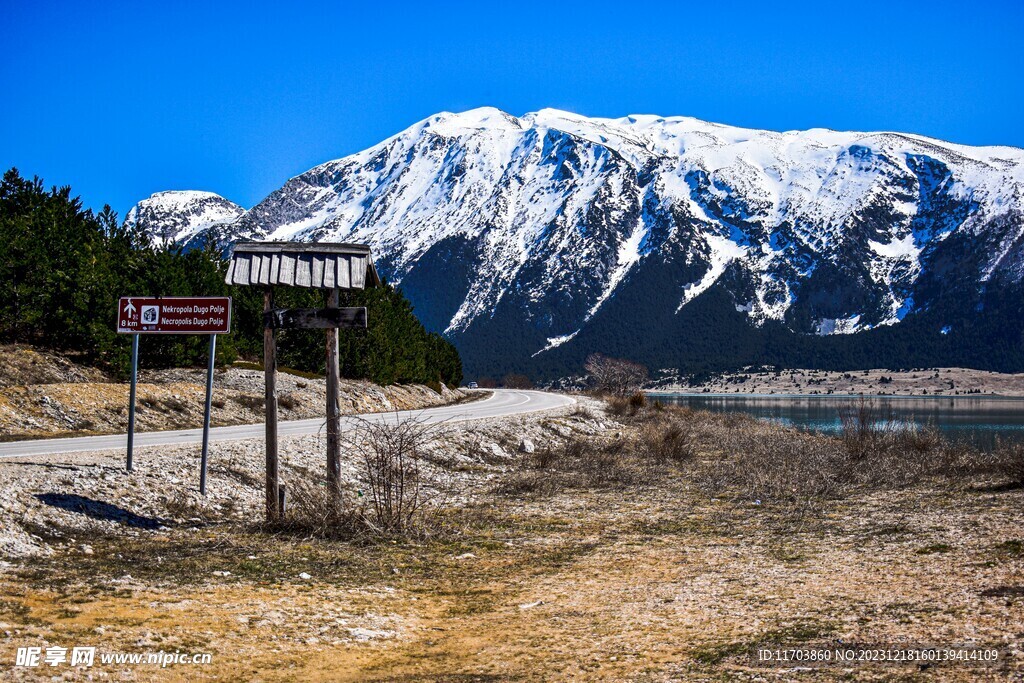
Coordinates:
[333,409]
[315,318]
[270,372]
[301,248]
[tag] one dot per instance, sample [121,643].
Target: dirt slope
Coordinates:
[43,394]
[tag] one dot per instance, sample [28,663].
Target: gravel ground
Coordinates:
[59,501]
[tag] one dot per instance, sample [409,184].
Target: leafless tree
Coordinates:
[615,376]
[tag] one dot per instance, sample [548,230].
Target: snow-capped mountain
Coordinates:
[551,234]
[178,215]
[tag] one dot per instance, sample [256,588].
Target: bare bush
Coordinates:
[543,458]
[623,406]
[613,464]
[618,406]
[917,441]
[1009,462]
[172,404]
[615,376]
[863,427]
[577,463]
[740,455]
[392,454]
[312,511]
[667,441]
[771,462]
[886,452]
[183,505]
[582,411]
[473,445]
[392,497]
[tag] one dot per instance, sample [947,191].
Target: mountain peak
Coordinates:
[178,215]
[472,119]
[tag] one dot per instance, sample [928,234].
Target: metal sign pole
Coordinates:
[131,398]
[206,413]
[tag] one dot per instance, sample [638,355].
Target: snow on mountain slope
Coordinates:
[178,215]
[538,223]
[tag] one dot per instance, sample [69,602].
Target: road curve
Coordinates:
[501,403]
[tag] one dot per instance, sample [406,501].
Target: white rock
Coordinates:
[526,446]
[304,576]
[369,634]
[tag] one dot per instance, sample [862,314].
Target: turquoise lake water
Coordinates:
[980,421]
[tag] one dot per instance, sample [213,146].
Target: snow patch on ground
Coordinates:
[898,248]
[557,341]
[828,326]
[629,254]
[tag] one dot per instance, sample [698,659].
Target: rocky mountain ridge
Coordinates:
[533,240]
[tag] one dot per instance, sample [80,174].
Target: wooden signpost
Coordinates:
[330,318]
[330,267]
[210,315]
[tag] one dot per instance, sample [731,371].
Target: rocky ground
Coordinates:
[43,394]
[878,382]
[56,503]
[571,545]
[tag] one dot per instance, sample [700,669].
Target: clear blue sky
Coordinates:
[122,100]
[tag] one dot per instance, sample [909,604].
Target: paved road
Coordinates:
[502,402]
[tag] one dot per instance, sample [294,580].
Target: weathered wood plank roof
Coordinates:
[318,265]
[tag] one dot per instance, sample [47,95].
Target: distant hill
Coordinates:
[178,215]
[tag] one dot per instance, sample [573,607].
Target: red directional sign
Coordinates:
[174,315]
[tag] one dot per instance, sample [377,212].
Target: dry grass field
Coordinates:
[662,545]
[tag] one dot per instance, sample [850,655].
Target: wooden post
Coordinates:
[270,372]
[333,409]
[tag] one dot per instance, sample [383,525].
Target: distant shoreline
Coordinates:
[802,383]
[761,395]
